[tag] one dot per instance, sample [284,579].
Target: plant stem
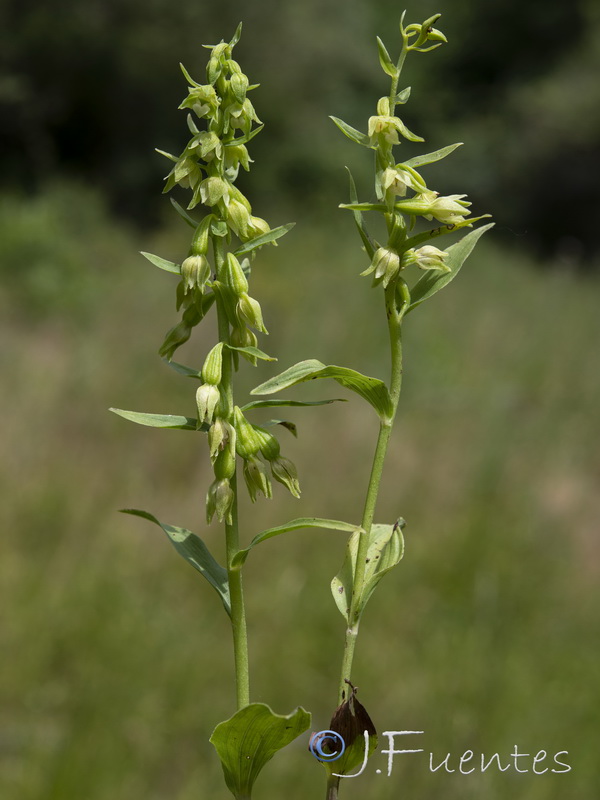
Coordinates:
[232,536]
[394,317]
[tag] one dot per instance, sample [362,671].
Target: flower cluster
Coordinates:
[208,167]
[396,180]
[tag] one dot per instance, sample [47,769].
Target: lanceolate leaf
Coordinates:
[189,372]
[458,253]
[195,552]
[295,524]
[252,351]
[184,214]
[247,741]
[162,263]
[429,158]
[352,133]
[372,390]
[158,420]
[386,62]
[266,238]
[277,403]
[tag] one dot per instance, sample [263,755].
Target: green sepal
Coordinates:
[253,352]
[161,263]
[195,552]
[277,403]
[432,281]
[174,421]
[358,219]
[430,158]
[352,133]
[249,739]
[294,525]
[386,548]
[385,60]
[184,214]
[372,390]
[265,238]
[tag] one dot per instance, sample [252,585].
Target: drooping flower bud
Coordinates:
[219,501]
[385,265]
[195,272]
[256,478]
[220,435]
[426,257]
[248,311]
[207,397]
[285,472]
[257,226]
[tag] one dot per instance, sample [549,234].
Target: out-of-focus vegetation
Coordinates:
[92,88]
[114,651]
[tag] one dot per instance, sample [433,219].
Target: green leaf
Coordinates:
[372,390]
[251,351]
[195,552]
[247,136]
[386,548]
[249,739]
[295,524]
[276,403]
[386,62]
[285,423]
[402,97]
[188,77]
[432,282]
[364,206]
[265,238]
[161,263]
[358,219]
[430,158]
[352,133]
[158,420]
[184,214]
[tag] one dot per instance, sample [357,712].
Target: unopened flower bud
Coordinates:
[383,106]
[195,272]
[248,311]
[220,435]
[219,500]
[207,397]
[385,265]
[270,447]
[285,472]
[243,337]
[238,217]
[256,478]
[427,257]
[257,227]
[248,440]
[213,364]
[224,466]
[213,189]
[239,86]
[235,278]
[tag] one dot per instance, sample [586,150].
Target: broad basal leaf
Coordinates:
[432,281]
[294,525]
[247,741]
[195,552]
[372,390]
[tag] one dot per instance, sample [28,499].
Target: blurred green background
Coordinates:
[116,660]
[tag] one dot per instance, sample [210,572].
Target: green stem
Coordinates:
[232,536]
[394,326]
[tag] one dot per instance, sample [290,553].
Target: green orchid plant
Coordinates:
[214,276]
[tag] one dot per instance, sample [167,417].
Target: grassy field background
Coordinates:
[116,656]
